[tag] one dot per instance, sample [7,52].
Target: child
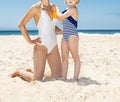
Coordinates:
[70,38]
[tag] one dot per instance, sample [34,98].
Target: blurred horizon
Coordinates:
[93,15]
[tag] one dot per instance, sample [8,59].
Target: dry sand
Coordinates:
[99,79]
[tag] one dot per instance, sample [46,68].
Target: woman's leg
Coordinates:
[65,54]
[22,73]
[73,46]
[54,62]
[40,54]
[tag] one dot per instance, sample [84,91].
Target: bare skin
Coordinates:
[72,47]
[72,44]
[40,54]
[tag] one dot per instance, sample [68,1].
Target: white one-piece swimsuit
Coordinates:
[46,31]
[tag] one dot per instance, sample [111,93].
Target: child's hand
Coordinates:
[60,20]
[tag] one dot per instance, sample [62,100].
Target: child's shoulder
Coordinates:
[73,9]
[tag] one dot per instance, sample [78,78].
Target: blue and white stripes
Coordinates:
[68,29]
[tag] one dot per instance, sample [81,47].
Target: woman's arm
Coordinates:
[22,25]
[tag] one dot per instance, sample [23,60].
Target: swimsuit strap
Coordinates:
[71,19]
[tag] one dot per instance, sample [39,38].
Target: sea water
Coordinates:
[35,32]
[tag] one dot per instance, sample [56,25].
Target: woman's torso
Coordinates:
[46,30]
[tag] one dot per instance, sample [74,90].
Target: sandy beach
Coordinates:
[99,79]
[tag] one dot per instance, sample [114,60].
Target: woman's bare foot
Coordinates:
[29,70]
[15,74]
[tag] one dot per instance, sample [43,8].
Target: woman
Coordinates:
[45,46]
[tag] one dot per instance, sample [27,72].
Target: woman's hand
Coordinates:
[35,41]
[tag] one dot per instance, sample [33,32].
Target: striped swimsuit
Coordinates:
[69,27]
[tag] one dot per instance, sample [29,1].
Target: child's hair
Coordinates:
[77,1]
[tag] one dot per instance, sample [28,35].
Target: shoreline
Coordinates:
[85,32]
[80,34]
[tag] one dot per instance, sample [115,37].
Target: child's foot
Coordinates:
[75,78]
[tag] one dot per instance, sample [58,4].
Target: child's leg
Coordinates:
[64,53]
[73,46]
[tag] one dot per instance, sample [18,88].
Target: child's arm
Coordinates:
[68,13]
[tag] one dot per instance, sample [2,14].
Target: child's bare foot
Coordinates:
[75,78]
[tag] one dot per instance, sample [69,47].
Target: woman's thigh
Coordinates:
[39,58]
[54,61]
